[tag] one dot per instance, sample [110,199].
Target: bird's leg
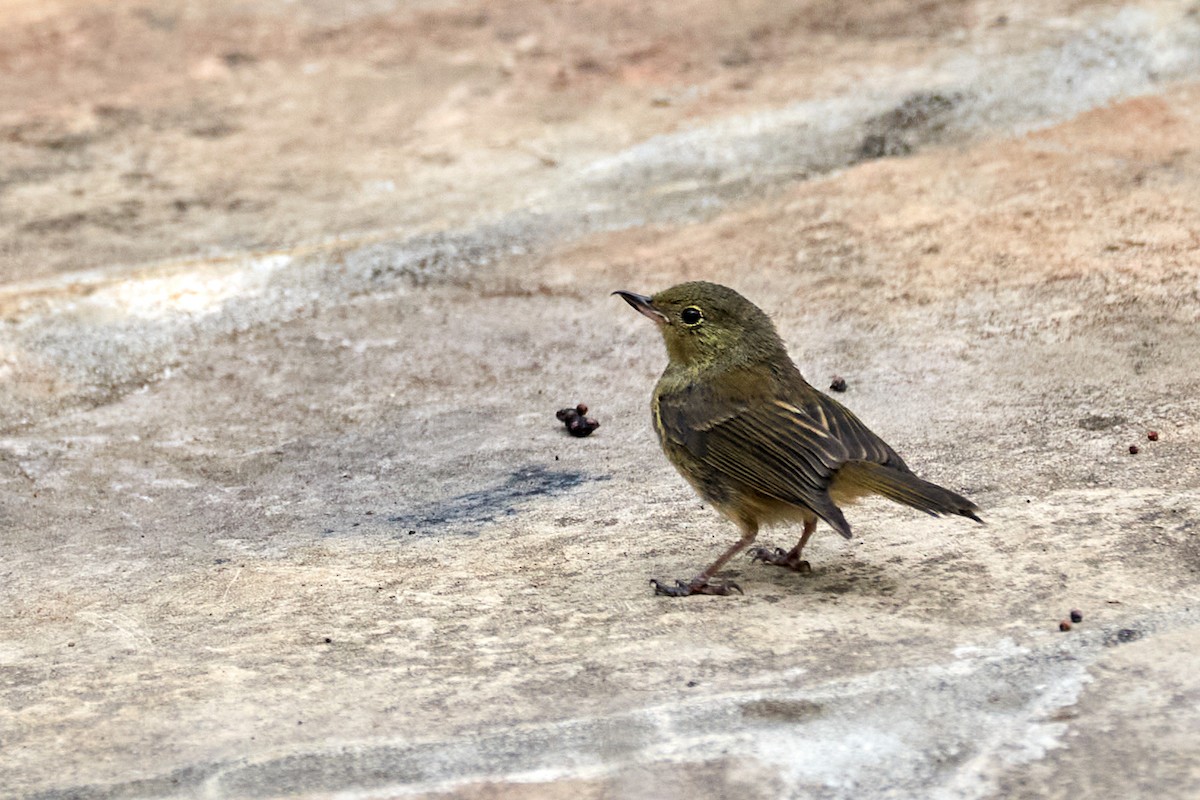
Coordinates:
[700,584]
[791,559]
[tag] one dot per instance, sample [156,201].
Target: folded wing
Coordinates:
[786,450]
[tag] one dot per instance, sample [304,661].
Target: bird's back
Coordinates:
[767,432]
[860,442]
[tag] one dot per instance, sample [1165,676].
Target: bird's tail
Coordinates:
[906,488]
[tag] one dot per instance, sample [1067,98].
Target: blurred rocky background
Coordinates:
[290,291]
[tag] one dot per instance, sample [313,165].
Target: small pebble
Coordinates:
[838,384]
[1076,615]
[1133,450]
[1065,625]
[1152,436]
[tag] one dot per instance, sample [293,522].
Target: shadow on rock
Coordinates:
[466,513]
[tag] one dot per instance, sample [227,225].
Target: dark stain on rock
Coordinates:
[776,710]
[920,118]
[1099,422]
[1123,636]
[465,513]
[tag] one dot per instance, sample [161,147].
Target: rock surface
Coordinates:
[292,291]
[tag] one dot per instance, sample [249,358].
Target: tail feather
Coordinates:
[906,488]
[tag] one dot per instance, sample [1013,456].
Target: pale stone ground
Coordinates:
[293,290]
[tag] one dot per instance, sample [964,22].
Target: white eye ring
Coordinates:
[691,316]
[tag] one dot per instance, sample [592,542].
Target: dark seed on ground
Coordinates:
[578,424]
[1152,436]
[1076,615]
[1133,450]
[1065,625]
[838,384]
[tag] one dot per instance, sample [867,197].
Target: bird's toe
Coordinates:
[686,589]
[778,557]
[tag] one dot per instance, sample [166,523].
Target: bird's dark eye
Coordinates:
[691,316]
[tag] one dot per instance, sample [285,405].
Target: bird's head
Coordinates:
[706,324]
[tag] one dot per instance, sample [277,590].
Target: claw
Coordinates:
[776,556]
[681,589]
[771,555]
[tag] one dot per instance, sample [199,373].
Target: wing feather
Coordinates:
[782,449]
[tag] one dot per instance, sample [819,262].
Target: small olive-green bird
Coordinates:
[740,423]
